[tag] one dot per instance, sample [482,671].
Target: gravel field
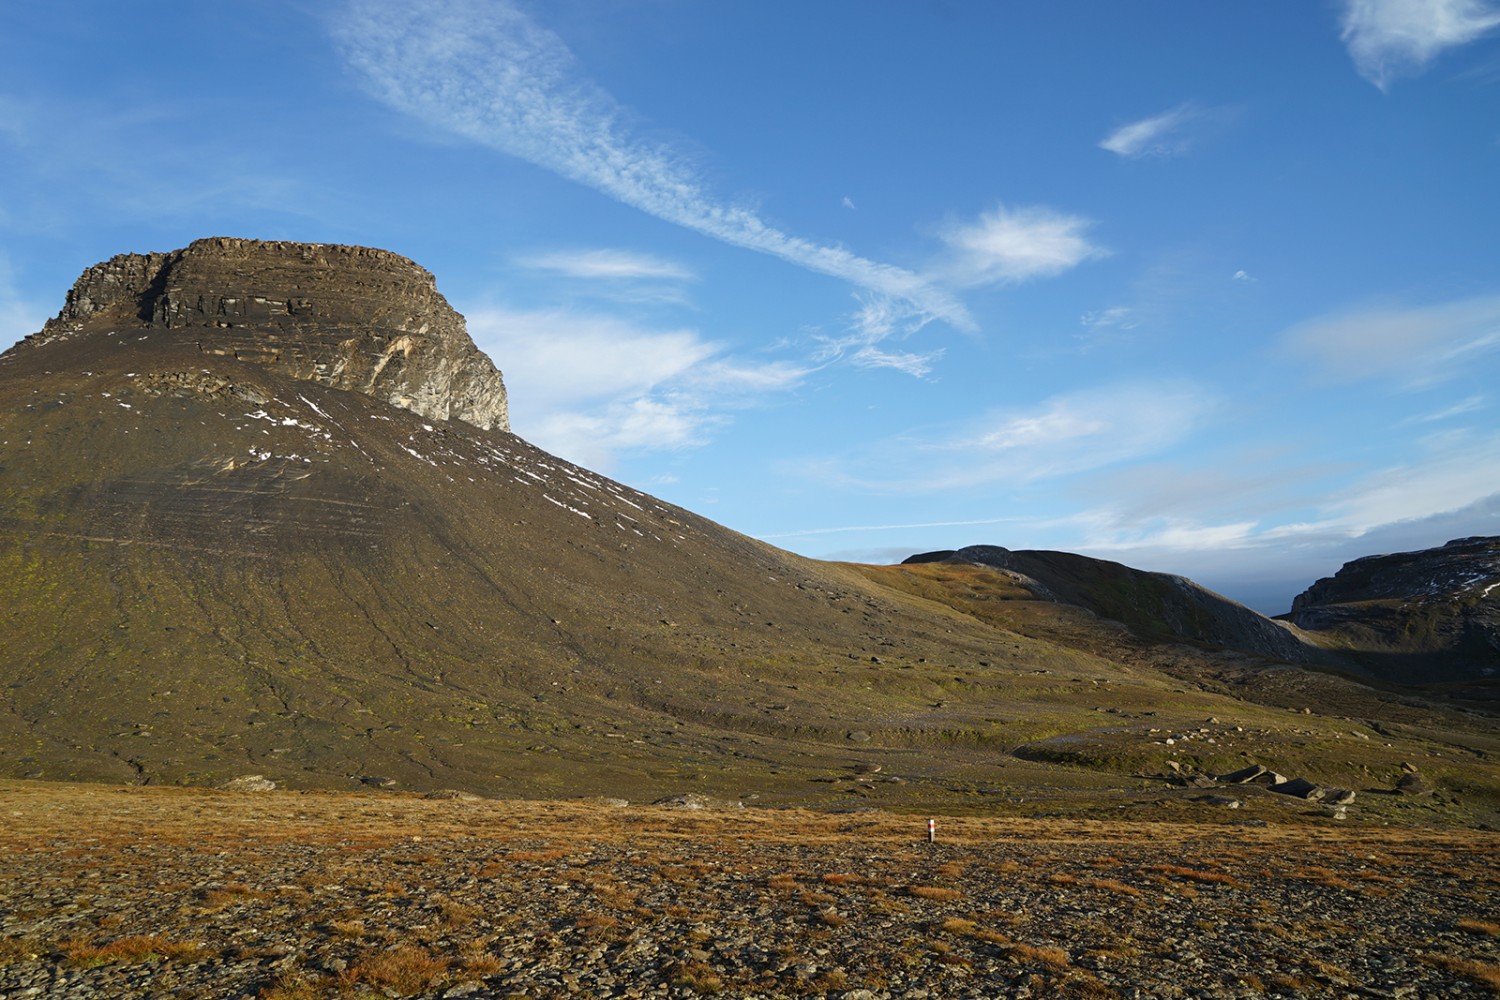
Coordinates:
[110,892]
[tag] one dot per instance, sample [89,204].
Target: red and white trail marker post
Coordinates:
[932,831]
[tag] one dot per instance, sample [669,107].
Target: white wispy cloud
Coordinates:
[1010,245]
[1418,345]
[1245,500]
[487,71]
[607,265]
[1287,522]
[1162,135]
[912,526]
[590,386]
[1393,38]
[1062,436]
[1120,317]
[877,319]
[1455,471]
[1472,404]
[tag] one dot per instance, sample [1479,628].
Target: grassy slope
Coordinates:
[336,590]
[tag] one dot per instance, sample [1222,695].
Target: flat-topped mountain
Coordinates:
[353,318]
[260,515]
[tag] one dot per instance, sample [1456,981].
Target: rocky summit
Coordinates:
[262,525]
[348,317]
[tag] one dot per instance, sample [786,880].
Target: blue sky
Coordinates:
[1205,288]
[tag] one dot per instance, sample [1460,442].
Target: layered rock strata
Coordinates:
[348,317]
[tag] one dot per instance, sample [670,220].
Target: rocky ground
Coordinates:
[132,892]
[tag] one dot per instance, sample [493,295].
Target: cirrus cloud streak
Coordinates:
[488,72]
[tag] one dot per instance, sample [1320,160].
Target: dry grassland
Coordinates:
[140,892]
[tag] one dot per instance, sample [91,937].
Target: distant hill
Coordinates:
[1414,617]
[1153,605]
[261,514]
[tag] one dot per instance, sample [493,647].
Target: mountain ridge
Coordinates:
[214,563]
[1155,605]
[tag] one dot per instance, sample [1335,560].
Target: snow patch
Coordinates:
[566,507]
[314,407]
[418,454]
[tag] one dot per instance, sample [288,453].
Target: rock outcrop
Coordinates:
[1430,615]
[1462,567]
[348,317]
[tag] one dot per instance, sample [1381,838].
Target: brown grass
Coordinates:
[226,896]
[1487,928]
[14,950]
[596,923]
[832,918]
[1485,973]
[478,963]
[454,914]
[1053,958]
[698,977]
[136,948]
[292,986]
[1195,875]
[1111,885]
[405,968]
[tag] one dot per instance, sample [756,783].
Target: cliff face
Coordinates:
[1427,615]
[351,318]
[1462,567]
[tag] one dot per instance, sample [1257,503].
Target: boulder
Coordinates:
[693,800]
[1411,783]
[1223,801]
[1300,788]
[248,783]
